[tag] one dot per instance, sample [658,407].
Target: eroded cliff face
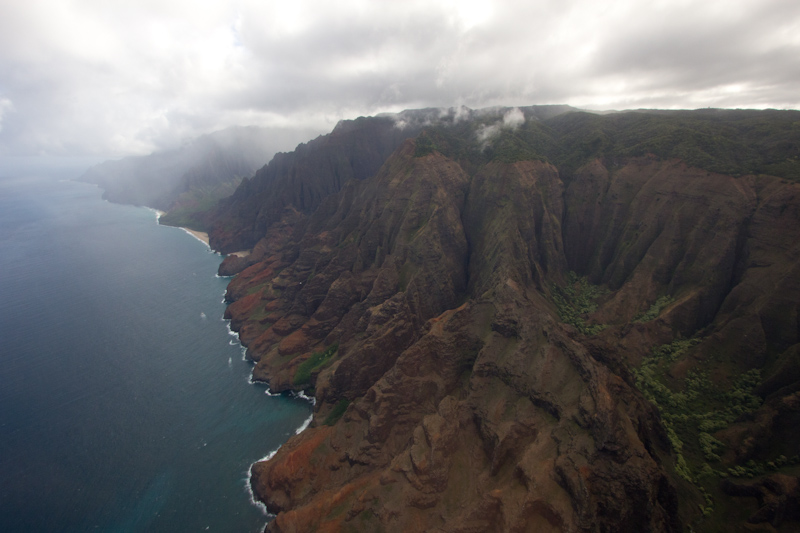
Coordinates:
[300,180]
[418,306]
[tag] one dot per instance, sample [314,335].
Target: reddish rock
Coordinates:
[295,343]
[470,405]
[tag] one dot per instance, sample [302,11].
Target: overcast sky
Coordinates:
[111,78]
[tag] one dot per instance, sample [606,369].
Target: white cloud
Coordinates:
[513,118]
[486,133]
[111,78]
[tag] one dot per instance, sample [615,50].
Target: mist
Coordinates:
[109,80]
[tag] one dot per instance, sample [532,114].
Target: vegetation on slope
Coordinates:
[316,361]
[576,300]
[725,141]
[694,408]
[734,142]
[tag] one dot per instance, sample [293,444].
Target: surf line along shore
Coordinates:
[201,236]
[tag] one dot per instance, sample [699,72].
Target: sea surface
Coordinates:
[125,403]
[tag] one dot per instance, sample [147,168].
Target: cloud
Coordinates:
[513,118]
[114,78]
[486,133]
[5,106]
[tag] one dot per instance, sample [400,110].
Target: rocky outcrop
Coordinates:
[303,178]
[489,403]
[421,308]
[354,150]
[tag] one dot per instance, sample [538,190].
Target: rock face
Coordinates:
[300,180]
[420,305]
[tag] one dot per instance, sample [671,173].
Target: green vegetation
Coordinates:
[512,146]
[316,361]
[733,142]
[752,469]
[576,300]
[336,413]
[694,408]
[655,309]
[423,145]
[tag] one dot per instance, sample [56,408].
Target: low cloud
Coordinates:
[486,133]
[109,79]
[513,119]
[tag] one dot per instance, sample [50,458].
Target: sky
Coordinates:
[110,78]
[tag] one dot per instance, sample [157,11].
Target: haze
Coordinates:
[99,78]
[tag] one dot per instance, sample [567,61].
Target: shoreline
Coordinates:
[262,506]
[201,236]
[248,479]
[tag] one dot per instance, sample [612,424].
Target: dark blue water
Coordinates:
[124,404]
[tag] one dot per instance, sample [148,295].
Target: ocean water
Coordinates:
[125,404]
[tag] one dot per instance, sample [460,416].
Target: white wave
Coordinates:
[268,391]
[302,394]
[252,381]
[249,487]
[157,212]
[196,237]
[305,424]
[248,481]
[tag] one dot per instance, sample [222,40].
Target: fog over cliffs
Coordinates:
[218,159]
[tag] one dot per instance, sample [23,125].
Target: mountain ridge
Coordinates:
[423,306]
[528,319]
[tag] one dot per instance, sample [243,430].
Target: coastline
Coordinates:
[201,236]
[262,506]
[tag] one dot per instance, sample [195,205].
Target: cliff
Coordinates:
[301,179]
[518,322]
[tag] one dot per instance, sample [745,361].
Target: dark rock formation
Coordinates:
[422,304]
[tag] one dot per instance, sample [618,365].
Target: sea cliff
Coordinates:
[565,323]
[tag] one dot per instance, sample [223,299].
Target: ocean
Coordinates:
[125,402]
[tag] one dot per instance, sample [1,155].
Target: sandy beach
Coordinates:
[203,236]
[199,235]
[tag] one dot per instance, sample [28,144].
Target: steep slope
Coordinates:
[499,345]
[492,393]
[355,149]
